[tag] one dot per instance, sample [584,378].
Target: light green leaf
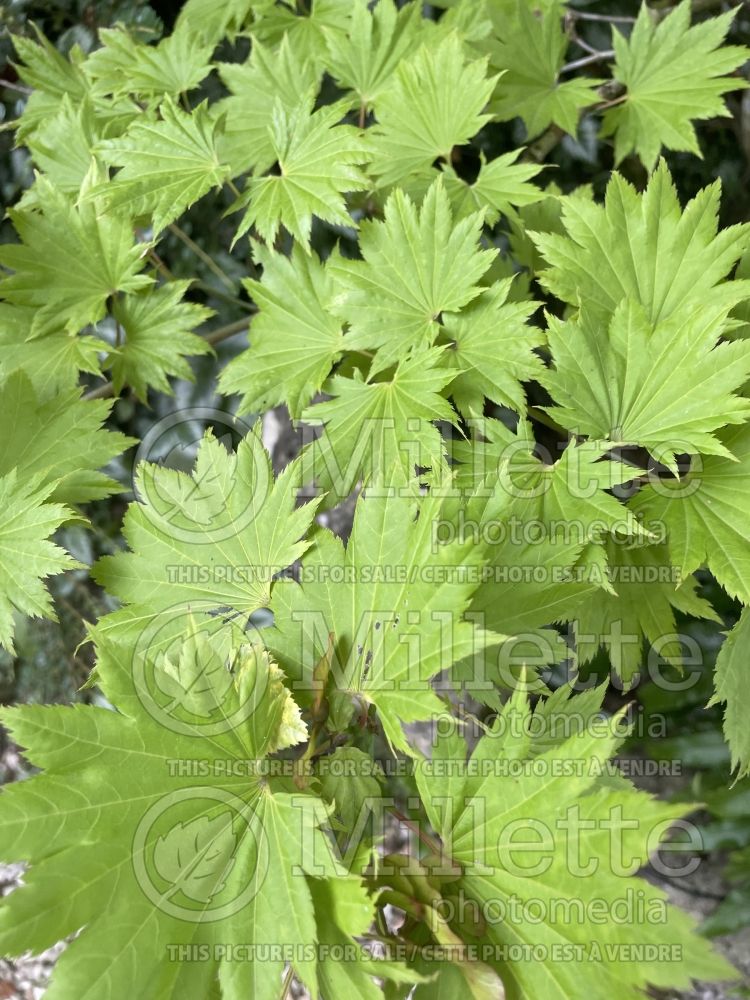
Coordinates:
[643,246]
[157,327]
[70,261]
[294,340]
[319,161]
[731,687]
[433,103]
[167,164]
[674,74]
[418,267]
[26,554]
[61,441]
[502,184]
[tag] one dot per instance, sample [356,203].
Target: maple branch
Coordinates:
[595,57]
[202,255]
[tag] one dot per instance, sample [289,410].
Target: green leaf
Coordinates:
[674,74]
[167,164]
[319,161]
[310,30]
[267,77]
[538,836]
[62,146]
[640,591]
[210,540]
[214,21]
[493,351]
[157,327]
[26,554]
[433,103]
[501,185]
[51,363]
[377,40]
[393,605]
[418,266]
[730,687]
[294,340]
[705,513]
[529,50]
[70,261]
[123,65]
[377,429]
[60,441]
[175,862]
[668,388]
[643,247]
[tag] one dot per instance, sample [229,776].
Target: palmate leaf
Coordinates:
[433,103]
[70,260]
[294,340]
[26,554]
[393,605]
[533,520]
[378,429]
[51,363]
[529,51]
[167,163]
[60,440]
[668,388]
[492,349]
[211,540]
[640,590]
[376,41]
[706,514]
[286,75]
[319,160]
[212,21]
[123,65]
[216,862]
[418,267]
[501,185]
[52,77]
[157,326]
[62,146]
[643,247]
[674,75]
[730,686]
[309,30]
[538,837]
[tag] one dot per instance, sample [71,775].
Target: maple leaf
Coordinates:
[529,51]
[60,441]
[433,103]
[377,40]
[52,77]
[295,338]
[51,363]
[637,384]
[492,349]
[256,86]
[674,74]
[640,591]
[319,161]
[533,521]
[214,21]
[730,686]
[62,145]
[501,185]
[177,64]
[393,605]
[374,429]
[167,164]
[157,327]
[310,30]
[175,860]
[482,818]
[704,513]
[209,541]
[418,266]
[26,554]
[643,246]
[70,260]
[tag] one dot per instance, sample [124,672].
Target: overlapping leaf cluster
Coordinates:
[457,290]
